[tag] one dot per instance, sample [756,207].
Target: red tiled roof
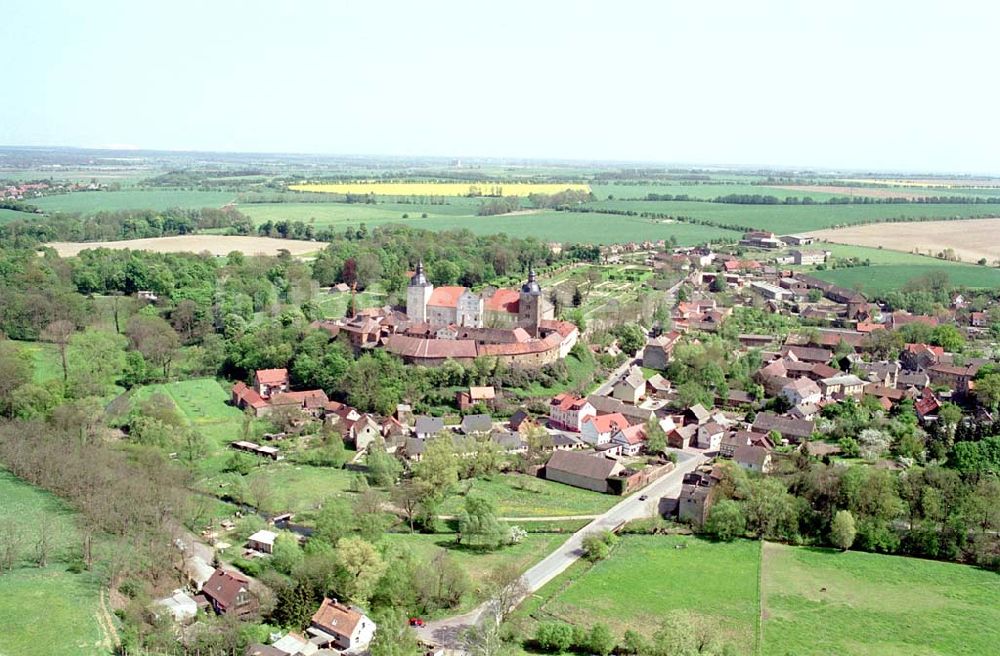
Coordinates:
[634,434]
[504,300]
[248,395]
[921,348]
[608,423]
[445,296]
[307,399]
[271,376]
[336,618]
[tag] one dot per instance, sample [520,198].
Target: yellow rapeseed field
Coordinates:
[440,188]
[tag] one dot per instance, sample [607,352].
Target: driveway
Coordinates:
[446,632]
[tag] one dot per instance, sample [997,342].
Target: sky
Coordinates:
[872,85]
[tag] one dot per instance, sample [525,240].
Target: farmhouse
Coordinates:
[599,429]
[804,257]
[467,399]
[631,386]
[696,498]
[793,430]
[262,541]
[801,390]
[656,354]
[753,458]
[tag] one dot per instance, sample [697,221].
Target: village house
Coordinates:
[631,439]
[656,354]
[709,436]
[801,390]
[425,427]
[630,387]
[808,257]
[920,356]
[884,373]
[228,593]
[485,395]
[270,381]
[978,319]
[568,412]
[262,541]
[695,499]
[341,627]
[842,386]
[476,424]
[598,430]
[753,458]
[955,377]
[926,405]
[607,405]
[586,470]
[793,430]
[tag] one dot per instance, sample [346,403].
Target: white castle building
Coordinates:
[460,306]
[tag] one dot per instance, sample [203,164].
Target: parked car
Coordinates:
[643,497]
[416,621]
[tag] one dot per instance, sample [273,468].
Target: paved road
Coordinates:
[446,632]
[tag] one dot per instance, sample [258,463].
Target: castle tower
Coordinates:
[418,294]
[529,307]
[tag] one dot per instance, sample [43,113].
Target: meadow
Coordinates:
[881,278]
[786,219]
[33,600]
[970,240]
[88,202]
[819,601]
[707,190]
[442,188]
[648,576]
[517,495]
[215,244]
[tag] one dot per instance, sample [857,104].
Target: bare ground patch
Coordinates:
[971,239]
[214,244]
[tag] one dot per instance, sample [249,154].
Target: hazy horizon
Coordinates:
[897,87]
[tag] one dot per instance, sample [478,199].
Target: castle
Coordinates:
[463,308]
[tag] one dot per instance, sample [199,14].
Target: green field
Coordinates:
[35,600]
[46,363]
[818,601]
[706,191]
[331,213]
[88,202]
[784,219]
[294,488]
[10,215]
[805,601]
[541,499]
[889,277]
[649,576]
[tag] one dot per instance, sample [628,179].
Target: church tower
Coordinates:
[529,307]
[418,295]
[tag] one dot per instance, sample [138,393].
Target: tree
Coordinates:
[154,338]
[335,521]
[842,530]
[988,391]
[439,465]
[362,566]
[15,371]
[726,520]
[597,546]
[600,640]
[287,553]
[633,642]
[96,360]
[383,468]
[478,524]
[631,338]
[948,337]
[409,496]
[691,393]
[394,636]
[59,332]
[656,439]
[554,636]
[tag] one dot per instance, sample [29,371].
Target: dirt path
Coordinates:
[111,640]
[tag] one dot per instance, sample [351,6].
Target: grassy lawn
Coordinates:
[541,499]
[49,611]
[875,604]
[88,202]
[45,360]
[301,488]
[478,564]
[648,576]
[34,600]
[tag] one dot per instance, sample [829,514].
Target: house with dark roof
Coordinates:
[696,498]
[630,387]
[586,470]
[229,594]
[710,436]
[793,430]
[753,458]
[658,350]
[680,437]
[425,427]
[476,424]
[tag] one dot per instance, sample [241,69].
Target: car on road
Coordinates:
[643,497]
[417,622]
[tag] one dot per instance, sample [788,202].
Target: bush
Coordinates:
[726,520]
[597,546]
[554,636]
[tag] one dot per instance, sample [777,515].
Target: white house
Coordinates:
[710,436]
[341,627]
[262,541]
[598,430]
[802,391]
[631,439]
[568,412]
